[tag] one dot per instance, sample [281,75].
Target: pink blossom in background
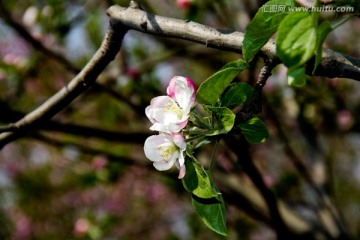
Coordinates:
[81,227]
[99,162]
[183,3]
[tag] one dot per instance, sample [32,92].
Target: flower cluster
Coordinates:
[169,115]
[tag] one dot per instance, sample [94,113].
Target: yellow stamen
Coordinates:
[167,152]
[172,106]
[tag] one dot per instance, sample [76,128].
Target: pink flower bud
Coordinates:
[183,3]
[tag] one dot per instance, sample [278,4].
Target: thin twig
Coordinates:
[89,150]
[212,160]
[241,148]
[305,173]
[8,128]
[245,196]
[92,132]
[255,105]
[36,44]
[9,115]
[264,75]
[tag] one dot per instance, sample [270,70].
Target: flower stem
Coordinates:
[200,120]
[195,138]
[342,21]
[212,161]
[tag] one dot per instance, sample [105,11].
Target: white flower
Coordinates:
[165,150]
[166,115]
[171,113]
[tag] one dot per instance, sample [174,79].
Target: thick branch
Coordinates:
[333,64]
[86,78]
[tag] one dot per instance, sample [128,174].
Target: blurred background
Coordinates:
[84,175]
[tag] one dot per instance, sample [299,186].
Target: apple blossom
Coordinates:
[171,113]
[165,150]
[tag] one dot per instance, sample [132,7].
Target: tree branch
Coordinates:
[8,128]
[85,79]
[84,131]
[255,105]
[246,197]
[333,64]
[302,169]
[89,150]
[241,148]
[9,115]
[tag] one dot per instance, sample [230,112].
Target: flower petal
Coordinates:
[157,104]
[151,147]
[166,115]
[190,83]
[170,90]
[182,93]
[182,172]
[179,140]
[168,128]
[183,90]
[180,164]
[166,165]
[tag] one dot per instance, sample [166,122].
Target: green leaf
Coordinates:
[322,32]
[296,39]
[222,120]
[236,94]
[254,130]
[212,88]
[212,212]
[264,25]
[297,77]
[197,181]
